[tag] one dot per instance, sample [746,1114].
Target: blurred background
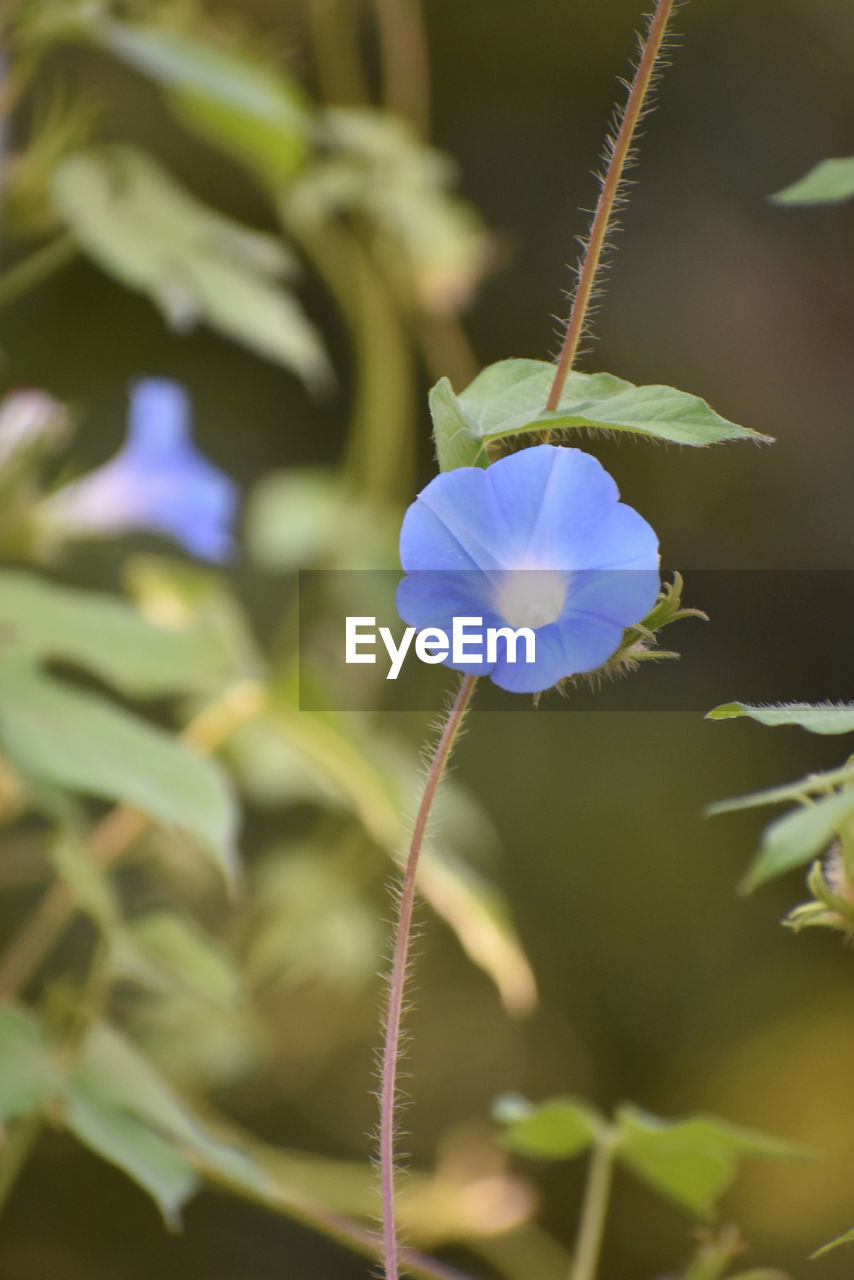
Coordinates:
[657,983]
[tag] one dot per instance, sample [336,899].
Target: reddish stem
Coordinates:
[609,196]
[397,979]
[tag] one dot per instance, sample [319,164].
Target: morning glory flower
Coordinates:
[158,481]
[538,539]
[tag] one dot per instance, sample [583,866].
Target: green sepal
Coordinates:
[796,838]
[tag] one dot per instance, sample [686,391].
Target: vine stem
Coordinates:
[609,195]
[379,448]
[397,977]
[594,1210]
[334,33]
[405,61]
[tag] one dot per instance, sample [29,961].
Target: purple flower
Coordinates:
[537,540]
[158,481]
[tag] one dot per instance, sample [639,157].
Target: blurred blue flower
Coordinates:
[158,481]
[539,539]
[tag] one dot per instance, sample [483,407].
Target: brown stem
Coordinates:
[397,979]
[609,196]
[445,349]
[405,61]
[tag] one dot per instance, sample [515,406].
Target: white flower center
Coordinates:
[531,597]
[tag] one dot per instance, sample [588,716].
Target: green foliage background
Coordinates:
[656,984]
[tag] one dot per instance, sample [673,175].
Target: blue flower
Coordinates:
[158,481]
[539,539]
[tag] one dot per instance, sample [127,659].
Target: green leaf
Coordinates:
[508,399]
[311,922]
[372,167]
[812,784]
[195,598]
[27,1076]
[847,1238]
[559,1129]
[185,956]
[829,182]
[817,717]
[89,885]
[458,442]
[195,264]
[275,152]
[307,516]
[200,1045]
[80,742]
[271,772]
[341,764]
[184,62]
[127,1081]
[797,837]
[123,1140]
[691,1161]
[251,111]
[106,636]
[294,518]
[479,915]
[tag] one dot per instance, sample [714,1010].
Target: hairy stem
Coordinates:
[609,195]
[594,1210]
[111,838]
[397,978]
[286,1197]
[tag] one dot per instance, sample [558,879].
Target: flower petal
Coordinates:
[159,420]
[548,668]
[619,538]
[427,599]
[566,648]
[157,481]
[551,497]
[544,508]
[624,596]
[454,523]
